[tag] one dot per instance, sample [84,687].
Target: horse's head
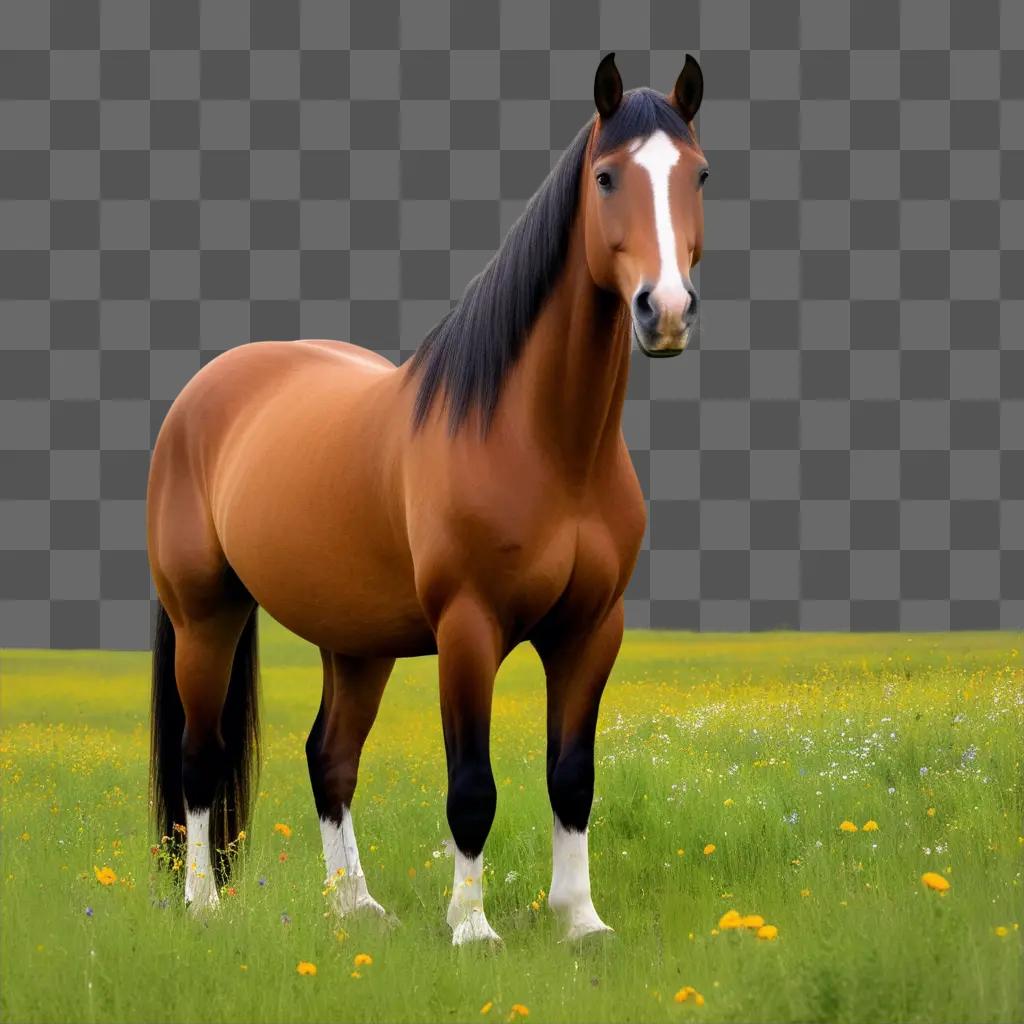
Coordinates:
[644,212]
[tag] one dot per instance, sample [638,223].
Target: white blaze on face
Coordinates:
[570,883]
[345,882]
[466,910]
[657,155]
[200,885]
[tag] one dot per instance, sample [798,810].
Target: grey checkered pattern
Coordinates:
[842,449]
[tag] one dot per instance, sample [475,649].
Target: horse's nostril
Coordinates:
[643,310]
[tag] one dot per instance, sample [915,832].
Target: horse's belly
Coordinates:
[350,605]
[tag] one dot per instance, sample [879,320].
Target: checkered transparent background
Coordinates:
[842,449]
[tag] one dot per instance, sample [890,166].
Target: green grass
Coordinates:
[831,727]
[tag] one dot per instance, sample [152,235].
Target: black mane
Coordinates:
[468,354]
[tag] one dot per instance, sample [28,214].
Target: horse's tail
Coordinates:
[239,729]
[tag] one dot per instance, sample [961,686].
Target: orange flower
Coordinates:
[518,1010]
[871,826]
[767,931]
[752,921]
[933,880]
[362,960]
[486,1008]
[709,849]
[305,967]
[285,830]
[847,826]
[282,856]
[105,875]
[730,919]
[688,992]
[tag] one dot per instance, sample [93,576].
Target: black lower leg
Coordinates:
[571,783]
[203,763]
[472,801]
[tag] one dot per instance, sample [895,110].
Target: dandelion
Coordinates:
[680,852]
[847,826]
[487,1007]
[362,960]
[768,931]
[1002,931]
[871,826]
[730,919]
[24,837]
[243,967]
[805,892]
[933,880]
[709,849]
[518,1010]
[534,905]
[355,974]
[105,875]
[283,829]
[729,802]
[305,967]
[752,921]
[689,992]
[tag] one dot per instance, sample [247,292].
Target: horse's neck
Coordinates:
[574,371]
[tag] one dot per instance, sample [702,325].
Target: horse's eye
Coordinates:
[703,176]
[604,181]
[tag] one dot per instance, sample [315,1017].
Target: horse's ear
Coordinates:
[607,87]
[689,89]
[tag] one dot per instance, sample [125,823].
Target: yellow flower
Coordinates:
[933,880]
[805,892]
[486,1008]
[243,967]
[709,849]
[729,802]
[285,830]
[1002,931]
[241,836]
[24,837]
[730,919]
[534,905]
[105,876]
[305,967]
[686,992]
[871,826]
[518,1010]
[752,921]
[847,826]
[767,931]
[680,852]
[930,812]
[355,974]
[362,960]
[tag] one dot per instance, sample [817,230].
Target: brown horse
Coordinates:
[479,496]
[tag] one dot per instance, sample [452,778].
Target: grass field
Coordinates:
[760,745]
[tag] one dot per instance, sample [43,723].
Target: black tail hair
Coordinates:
[240,731]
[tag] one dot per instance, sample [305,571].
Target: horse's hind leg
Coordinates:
[204,653]
[352,692]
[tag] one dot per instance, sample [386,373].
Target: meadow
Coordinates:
[727,766]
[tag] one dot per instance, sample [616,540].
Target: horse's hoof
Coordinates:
[475,928]
[590,933]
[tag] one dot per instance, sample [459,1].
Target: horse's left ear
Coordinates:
[689,89]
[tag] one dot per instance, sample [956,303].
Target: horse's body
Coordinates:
[378,518]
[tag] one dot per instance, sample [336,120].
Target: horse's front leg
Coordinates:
[577,665]
[469,651]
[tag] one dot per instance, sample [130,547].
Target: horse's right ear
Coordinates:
[607,87]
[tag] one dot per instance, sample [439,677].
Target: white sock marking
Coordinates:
[658,156]
[466,910]
[200,885]
[345,882]
[570,882]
